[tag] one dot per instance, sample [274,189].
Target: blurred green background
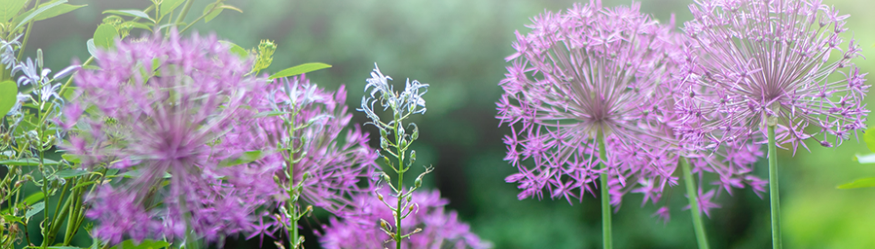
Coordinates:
[458,46]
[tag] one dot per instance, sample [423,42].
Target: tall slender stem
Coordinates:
[695,211]
[401,170]
[606,199]
[185,9]
[774,200]
[27,33]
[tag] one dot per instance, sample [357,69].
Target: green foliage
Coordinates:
[869,138]
[30,15]
[104,36]
[57,11]
[8,96]
[859,183]
[300,69]
[131,13]
[247,157]
[29,162]
[168,5]
[146,244]
[10,8]
[214,9]
[236,49]
[34,209]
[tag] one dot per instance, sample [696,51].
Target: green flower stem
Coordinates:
[694,205]
[184,11]
[773,189]
[606,199]
[401,169]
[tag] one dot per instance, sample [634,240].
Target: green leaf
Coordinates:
[131,13]
[859,183]
[71,158]
[92,49]
[169,5]
[28,162]
[53,247]
[247,157]
[68,173]
[57,11]
[869,138]
[8,96]
[38,11]
[10,8]
[35,209]
[35,197]
[104,36]
[210,12]
[11,218]
[146,244]
[235,49]
[865,159]
[300,69]
[138,25]
[84,184]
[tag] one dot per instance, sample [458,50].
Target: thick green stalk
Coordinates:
[606,199]
[184,11]
[695,211]
[773,189]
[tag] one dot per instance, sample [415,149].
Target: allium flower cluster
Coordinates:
[581,73]
[753,64]
[168,112]
[336,163]
[438,228]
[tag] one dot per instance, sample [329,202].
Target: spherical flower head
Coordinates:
[168,111]
[579,73]
[334,156]
[438,228]
[772,63]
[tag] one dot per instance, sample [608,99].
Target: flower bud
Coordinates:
[418,182]
[412,156]
[380,196]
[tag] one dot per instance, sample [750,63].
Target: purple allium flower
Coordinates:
[168,111]
[705,203]
[336,163]
[582,72]
[663,213]
[759,63]
[439,229]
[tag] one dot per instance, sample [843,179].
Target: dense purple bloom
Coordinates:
[169,111]
[336,163]
[581,72]
[758,63]
[439,229]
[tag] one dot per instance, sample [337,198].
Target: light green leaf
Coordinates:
[146,244]
[68,173]
[247,157]
[859,183]
[92,49]
[70,157]
[84,184]
[53,247]
[235,49]
[8,96]
[33,198]
[865,159]
[169,5]
[131,13]
[38,11]
[104,36]
[270,114]
[28,162]
[211,11]
[11,218]
[869,138]
[229,7]
[35,209]
[138,25]
[300,69]
[10,8]
[57,11]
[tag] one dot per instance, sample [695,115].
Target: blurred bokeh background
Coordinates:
[458,46]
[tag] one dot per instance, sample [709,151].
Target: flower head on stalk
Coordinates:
[437,228]
[395,141]
[580,73]
[169,112]
[334,163]
[754,64]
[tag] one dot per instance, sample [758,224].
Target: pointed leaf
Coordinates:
[10,8]
[92,49]
[237,50]
[69,173]
[859,183]
[57,11]
[211,11]
[37,12]
[70,157]
[35,209]
[169,5]
[8,96]
[300,69]
[104,36]
[28,162]
[229,7]
[131,13]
